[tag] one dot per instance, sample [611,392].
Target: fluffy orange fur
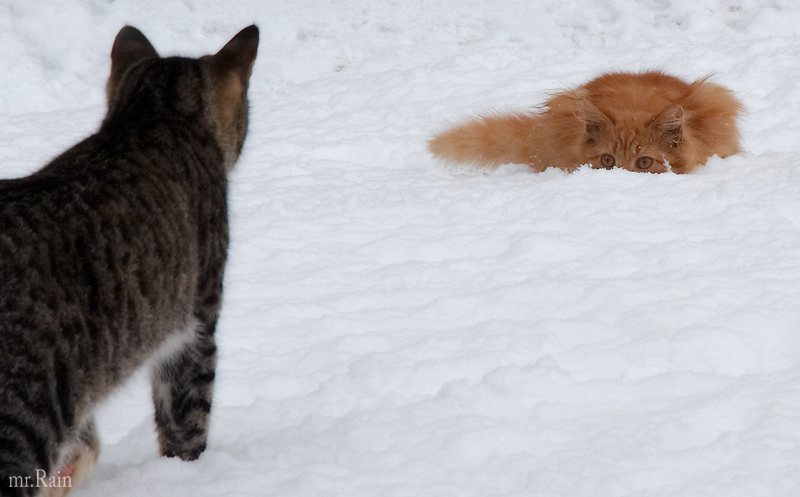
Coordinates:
[646,122]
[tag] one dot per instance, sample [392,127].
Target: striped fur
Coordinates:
[113,255]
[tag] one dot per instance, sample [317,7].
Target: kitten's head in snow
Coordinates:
[639,143]
[652,122]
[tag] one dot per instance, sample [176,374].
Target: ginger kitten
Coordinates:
[644,122]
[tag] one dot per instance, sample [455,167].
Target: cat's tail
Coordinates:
[488,141]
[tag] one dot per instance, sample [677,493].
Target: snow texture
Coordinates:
[394,327]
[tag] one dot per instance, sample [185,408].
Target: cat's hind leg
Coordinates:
[183,383]
[76,462]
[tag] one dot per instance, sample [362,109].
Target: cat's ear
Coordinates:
[669,125]
[130,46]
[597,124]
[230,70]
[237,56]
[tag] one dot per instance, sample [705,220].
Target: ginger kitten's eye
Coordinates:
[644,163]
[607,161]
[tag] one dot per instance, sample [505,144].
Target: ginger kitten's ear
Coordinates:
[598,125]
[238,56]
[130,46]
[669,125]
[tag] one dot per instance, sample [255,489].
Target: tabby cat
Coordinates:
[644,122]
[112,256]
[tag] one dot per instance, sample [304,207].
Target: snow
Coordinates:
[395,327]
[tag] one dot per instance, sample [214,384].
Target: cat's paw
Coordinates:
[184,453]
[77,463]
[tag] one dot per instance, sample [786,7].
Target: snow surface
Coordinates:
[392,327]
